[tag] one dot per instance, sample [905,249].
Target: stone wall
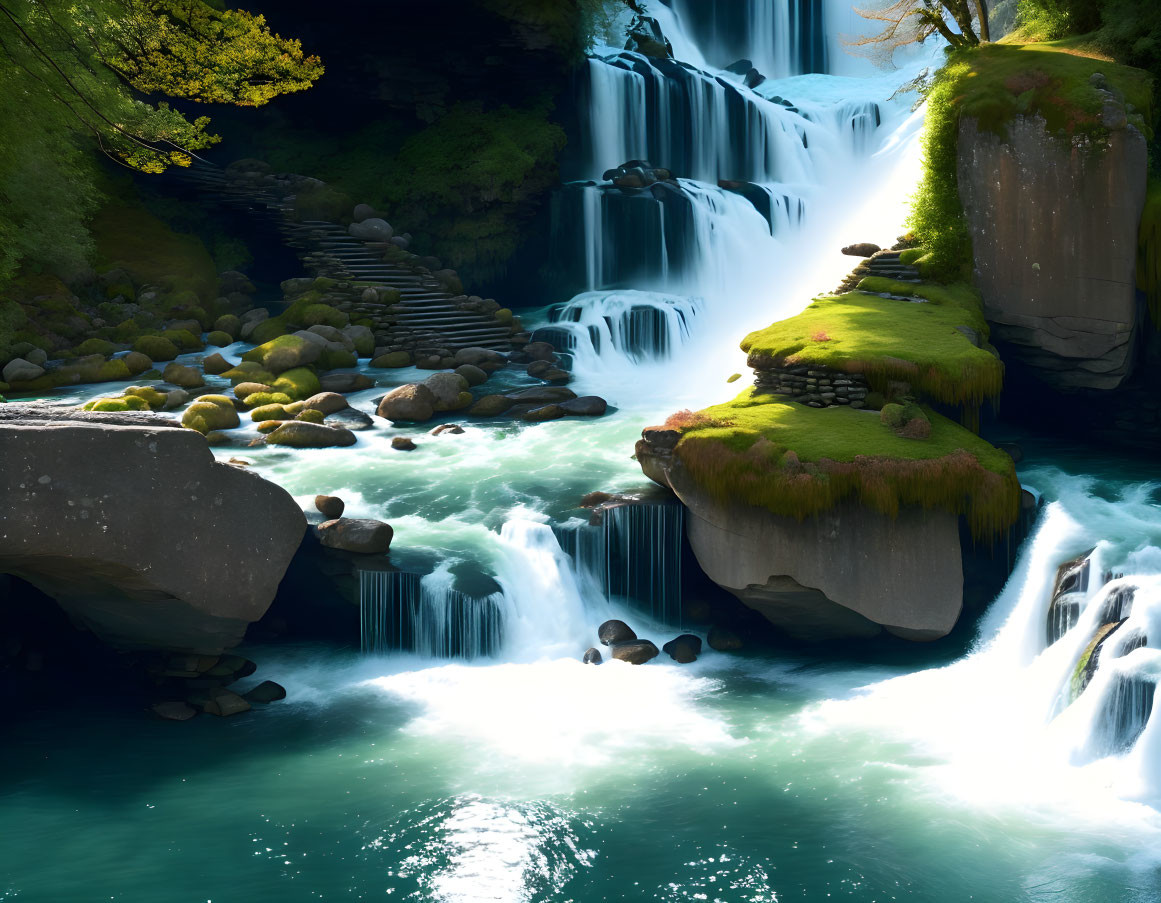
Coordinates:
[816,387]
[1054,233]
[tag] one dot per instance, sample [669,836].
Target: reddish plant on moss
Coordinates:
[819,336]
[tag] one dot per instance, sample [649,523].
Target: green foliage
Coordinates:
[152,253]
[1149,251]
[885,339]
[1127,30]
[798,461]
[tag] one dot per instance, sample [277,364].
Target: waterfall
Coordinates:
[633,325]
[634,554]
[426,615]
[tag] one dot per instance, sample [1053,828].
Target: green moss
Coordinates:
[183,339]
[205,416]
[156,348]
[222,401]
[886,339]
[259,399]
[94,346]
[799,461]
[336,360]
[155,399]
[124,403]
[152,252]
[993,84]
[323,315]
[112,371]
[268,330]
[228,323]
[310,416]
[323,202]
[219,339]
[249,372]
[268,426]
[299,383]
[392,360]
[911,256]
[270,412]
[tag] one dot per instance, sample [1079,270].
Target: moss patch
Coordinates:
[798,461]
[888,339]
[150,251]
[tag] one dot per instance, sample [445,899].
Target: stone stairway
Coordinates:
[882,263]
[427,315]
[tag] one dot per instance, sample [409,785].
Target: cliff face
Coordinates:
[136,531]
[1054,234]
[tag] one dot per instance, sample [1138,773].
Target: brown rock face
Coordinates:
[1054,234]
[137,532]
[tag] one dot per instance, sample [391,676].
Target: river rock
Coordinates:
[214,364]
[20,370]
[543,413]
[392,360]
[345,382]
[484,358]
[402,443]
[862,249]
[266,692]
[182,376]
[490,406]
[691,641]
[472,374]
[723,639]
[539,351]
[303,434]
[593,656]
[585,406]
[173,710]
[446,387]
[223,703]
[635,652]
[365,536]
[615,632]
[330,506]
[350,419]
[556,375]
[137,362]
[453,429]
[414,402]
[540,395]
[325,402]
[106,542]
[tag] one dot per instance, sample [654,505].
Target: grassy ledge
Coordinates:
[887,339]
[798,461]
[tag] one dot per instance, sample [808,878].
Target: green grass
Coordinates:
[887,339]
[798,461]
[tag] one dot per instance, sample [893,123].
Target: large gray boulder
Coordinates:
[136,531]
[20,370]
[1054,237]
[371,229]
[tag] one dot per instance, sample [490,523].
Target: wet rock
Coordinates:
[350,419]
[392,360]
[223,703]
[472,374]
[490,406]
[585,406]
[137,362]
[543,413]
[173,710]
[556,375]
[414,402]
[372,229]
[452,428]
[362,535]
[301,434]
[723,639]
[615,632]
[683,649]
[20,370]
[539,351]
[447,389]
[593,656]
[213,364]
[402,443]
[343,383]
[539,395]
[265,692]
[326,402]
[635,652]
[182,376]
[330,506]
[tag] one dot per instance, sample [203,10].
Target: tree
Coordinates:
[907,22]
[80,76]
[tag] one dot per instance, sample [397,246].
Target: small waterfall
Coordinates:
[633,555]
[635,326]
[426,615]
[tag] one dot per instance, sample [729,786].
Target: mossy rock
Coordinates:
[324,315]
[156,348]
[206,416]
[269,426]
[94,346]
[299,383]
[116,405]
[249,372]
[310,416]
[296,407]
[259,399]
[337,360]
[137,362]
[322,202]
[122,289]
[184,339]
[126,331]
[217,437]
[504,316]
[392,360]
[270,412]
[219,338]
[222,401]
[245,389]
[229,324]
[268,329]
[150,374]
[285,352]
[155,399]
[112,371]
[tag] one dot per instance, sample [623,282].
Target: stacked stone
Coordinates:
[816,387]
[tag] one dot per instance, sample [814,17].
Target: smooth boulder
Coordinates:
[302,434]
[330,506]
[635,652]
[362,535]
[414,402]
[615,632]
[593,656]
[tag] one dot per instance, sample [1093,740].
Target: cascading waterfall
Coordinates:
[635,325]
[634,554]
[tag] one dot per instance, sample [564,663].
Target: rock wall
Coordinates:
[1054,233]
[850,572]
[136,531]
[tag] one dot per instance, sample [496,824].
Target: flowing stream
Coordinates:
[466,754]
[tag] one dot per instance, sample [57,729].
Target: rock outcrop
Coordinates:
[136,531]
[1054,235]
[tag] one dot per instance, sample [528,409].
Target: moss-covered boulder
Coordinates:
[258,399]
[183,376]
[310,416]
[299,383]
[219,339]
[184,339]
[336,359]
[267,330]
[284,353]
[249,372]
[94,346]
[156,348]
[246,389]
[206,416]
[154,398]
[300,434]
[116,405]
[270,412]
[137,362]
[392,360]
[229,324]
[323,315]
